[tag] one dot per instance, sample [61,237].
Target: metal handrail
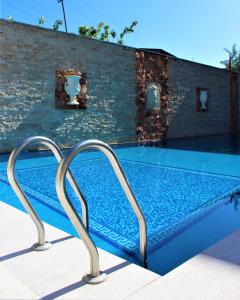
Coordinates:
[41,244]
[73,215]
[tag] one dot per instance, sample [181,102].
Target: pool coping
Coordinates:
[23,272]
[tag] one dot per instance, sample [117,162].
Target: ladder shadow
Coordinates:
[28,250]
[81,283]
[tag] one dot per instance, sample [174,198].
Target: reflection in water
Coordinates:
[215,143]
[235,199]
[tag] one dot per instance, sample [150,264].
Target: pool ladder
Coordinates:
[81,225]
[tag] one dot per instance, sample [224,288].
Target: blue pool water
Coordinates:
[174,188]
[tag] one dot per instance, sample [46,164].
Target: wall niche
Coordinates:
[202,99]
[71,89]
[153,94]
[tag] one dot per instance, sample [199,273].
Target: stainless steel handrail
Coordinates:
[41,244]
[73,215]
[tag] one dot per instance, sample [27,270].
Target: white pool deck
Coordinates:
[57,273]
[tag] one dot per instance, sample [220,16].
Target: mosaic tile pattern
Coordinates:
[169,197]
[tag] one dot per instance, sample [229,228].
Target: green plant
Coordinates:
[10,18]
[41,21]
[127,30]
[57,24]
[233,62]
[103,32]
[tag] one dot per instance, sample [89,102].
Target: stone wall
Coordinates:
[184,120]
[238,104]
[29,58]
[234,96]
[151,69]
[117,81]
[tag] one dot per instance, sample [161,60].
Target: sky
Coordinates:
[190,29]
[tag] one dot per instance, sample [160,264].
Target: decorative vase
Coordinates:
[72,88]
[203,99]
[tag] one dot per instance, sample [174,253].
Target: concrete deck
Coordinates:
[57,273]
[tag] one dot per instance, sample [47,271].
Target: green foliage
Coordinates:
[127,30]
[84,30]
[57,24]
[233,63]
[113,34]
[10,18]
[41,21]
[103,32]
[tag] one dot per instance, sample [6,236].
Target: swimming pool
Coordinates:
[183,194]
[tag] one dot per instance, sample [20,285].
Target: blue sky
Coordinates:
[190,29]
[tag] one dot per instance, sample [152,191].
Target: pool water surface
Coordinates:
[174,188]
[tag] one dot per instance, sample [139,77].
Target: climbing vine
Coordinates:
[103,32]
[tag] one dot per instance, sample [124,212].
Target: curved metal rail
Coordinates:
[73,215]
[41,244]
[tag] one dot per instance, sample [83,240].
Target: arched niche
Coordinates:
[153,96]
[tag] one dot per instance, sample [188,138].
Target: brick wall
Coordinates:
[239,101]
[184,78]
[234,96]
[29,57]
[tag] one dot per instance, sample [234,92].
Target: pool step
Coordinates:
[57,273]
[227,249]
[13,288]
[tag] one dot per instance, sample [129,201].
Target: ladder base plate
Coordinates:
[38,247]
[94,280]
